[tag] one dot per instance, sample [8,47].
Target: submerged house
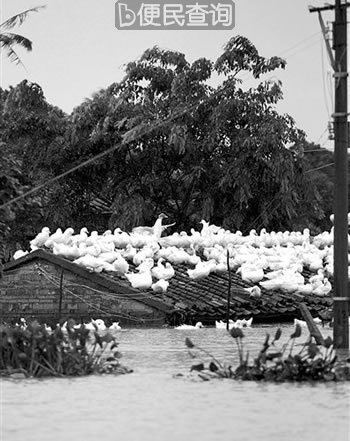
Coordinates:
[47,287]
[51,288]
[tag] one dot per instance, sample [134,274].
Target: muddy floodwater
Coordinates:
[151,405]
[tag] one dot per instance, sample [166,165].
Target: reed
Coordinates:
[33,351]
[309,362]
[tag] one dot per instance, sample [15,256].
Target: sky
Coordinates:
[77,50]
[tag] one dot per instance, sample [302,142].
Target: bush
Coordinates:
[33,351]
[310,363]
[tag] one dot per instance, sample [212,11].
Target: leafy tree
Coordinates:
[196,151]
[175,144]
[28,127]
[191,150]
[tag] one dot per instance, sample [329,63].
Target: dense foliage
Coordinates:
[36,352]
[174,144]
[29,128]
[310,363]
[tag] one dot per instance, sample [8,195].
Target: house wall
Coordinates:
[33,290]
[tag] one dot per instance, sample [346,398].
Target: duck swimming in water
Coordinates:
[198,325]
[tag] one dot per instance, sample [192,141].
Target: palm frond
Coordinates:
[10,39]
[10,52]
[18,19]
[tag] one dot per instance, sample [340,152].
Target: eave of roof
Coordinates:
[112,284]
[204,298]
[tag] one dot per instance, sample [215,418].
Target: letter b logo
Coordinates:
[124,17]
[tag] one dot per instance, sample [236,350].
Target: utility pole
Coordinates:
[340,289]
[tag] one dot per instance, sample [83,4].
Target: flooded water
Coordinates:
[151,405]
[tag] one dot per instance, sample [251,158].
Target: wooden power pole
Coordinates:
[340,289]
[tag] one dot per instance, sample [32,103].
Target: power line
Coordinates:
[321,136]
[111,149]
[302,49]
[324,83]
[319,168]
[300,42]
[317,150]
[100,155]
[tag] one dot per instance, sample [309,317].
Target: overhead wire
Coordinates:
[324,82]
[300,42]
[56,282]
[321,136]
[113,148]
[319,168]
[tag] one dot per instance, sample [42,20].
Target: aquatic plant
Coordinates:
[34,351]
[310,362]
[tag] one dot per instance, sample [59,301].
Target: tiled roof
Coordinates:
[188,300]
[206,299]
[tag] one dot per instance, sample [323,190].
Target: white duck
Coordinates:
[91,263]
[106,247]
[121,265]
[145,265]
[81,237]
[141,255]
[273,274]
[156,230]
[202,269]
[301,323]
[100,325]
[140,280]
[234,324]
[273,284]
[129,252]
[198,325]
[322,288]
[110,256]
[161,271]
[121,239]
[19,253]
[254,292]
[91,250]
[40,239]
[160,286]
[251,273]
[115,326]
[64,238]
[245,323]
[90,326]
[56,236]
[305,289]
[221,325]
[221,267]
[192,258]
[67,236]
[66,251]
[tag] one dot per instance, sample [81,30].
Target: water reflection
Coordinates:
[151,405]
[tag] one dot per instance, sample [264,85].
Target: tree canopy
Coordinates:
[175,144]
[192,150]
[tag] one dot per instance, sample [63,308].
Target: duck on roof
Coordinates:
[255,257]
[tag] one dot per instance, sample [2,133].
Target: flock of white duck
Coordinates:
[92,325]
[274,260]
